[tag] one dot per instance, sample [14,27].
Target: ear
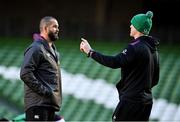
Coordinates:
[45,29]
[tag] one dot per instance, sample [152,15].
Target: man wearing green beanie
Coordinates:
[143,22]
[139,63]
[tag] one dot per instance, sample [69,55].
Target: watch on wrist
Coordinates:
[90,53]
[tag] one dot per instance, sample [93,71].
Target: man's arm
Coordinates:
[120,60]
[30,64]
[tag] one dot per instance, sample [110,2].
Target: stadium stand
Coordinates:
[88,88]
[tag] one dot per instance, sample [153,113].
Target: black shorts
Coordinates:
[39,113]
[132,111]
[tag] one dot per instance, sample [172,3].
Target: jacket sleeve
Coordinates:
[30,64]
[120,60]
[155,79]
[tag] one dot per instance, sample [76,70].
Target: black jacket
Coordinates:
[139,64]
[41,74]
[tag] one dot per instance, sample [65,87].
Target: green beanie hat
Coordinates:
[143,22]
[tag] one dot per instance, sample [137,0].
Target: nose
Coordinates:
[57,29]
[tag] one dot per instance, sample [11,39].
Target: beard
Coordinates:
[53,36]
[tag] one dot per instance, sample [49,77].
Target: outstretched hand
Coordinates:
[85,46]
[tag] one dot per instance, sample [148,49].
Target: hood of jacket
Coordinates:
[150,41]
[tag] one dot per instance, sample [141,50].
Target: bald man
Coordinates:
[40,72]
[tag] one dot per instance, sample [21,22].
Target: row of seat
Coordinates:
[78,110]
[5,113]
[12,92]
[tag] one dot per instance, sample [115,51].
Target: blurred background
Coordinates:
[98,19]
[89,92]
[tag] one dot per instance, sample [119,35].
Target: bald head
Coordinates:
[45,21]
[49,28]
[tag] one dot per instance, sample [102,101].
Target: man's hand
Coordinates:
[85,46]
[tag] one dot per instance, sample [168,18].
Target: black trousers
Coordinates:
[40,114]
[132,111]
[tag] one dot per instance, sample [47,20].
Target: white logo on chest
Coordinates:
[124,51]
[36,116]
[48,54]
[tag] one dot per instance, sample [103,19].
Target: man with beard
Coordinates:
[41,74]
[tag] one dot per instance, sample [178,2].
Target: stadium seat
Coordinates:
[177,115]
[170,82]
[78,105]
[169,113]
[175,98]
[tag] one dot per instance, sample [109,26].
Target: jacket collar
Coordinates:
[39,38]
